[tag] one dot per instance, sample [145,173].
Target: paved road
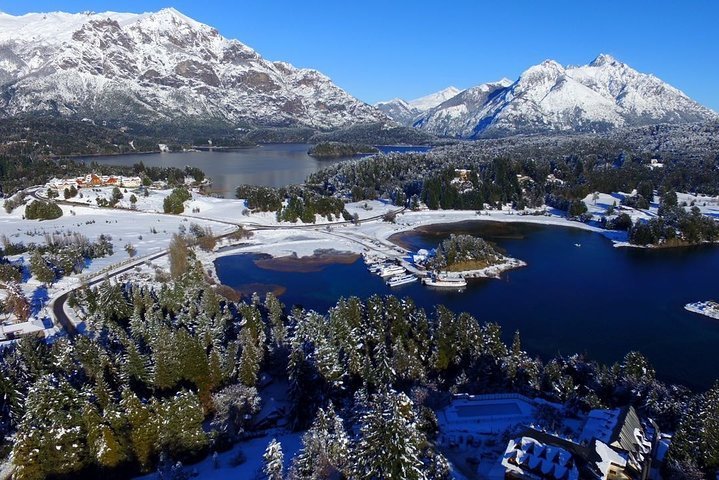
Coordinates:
[58,304]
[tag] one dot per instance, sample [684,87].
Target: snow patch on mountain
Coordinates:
[433,99]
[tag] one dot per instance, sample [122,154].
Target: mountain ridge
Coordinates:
[550,98]
[406,111]
[166,67]
[159,66]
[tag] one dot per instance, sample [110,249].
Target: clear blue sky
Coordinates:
[378,50]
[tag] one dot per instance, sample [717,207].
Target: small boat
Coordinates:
[391,271]
[376,267]
[445,281]
[401,280]
[577,244]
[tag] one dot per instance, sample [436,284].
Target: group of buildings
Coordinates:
[605,444]
[92,180]
[614,445]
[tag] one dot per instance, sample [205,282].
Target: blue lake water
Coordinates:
[273,165]
[593,299]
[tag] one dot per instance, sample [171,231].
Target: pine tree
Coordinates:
[303,390]
[12,400]
[51,438]
[112,302]
[328,362]
[105,446]
[233,406]
[445,353]
[710,432]
[278,330]
[40,268]
[144,429]
[182,432]
[325,449]
[390,444]
[179,256]
[135,364]
[274,461]
[252,341]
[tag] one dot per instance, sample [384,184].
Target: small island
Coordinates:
[339,149]
[470,257]
[709,308]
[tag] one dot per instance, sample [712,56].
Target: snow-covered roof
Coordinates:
[608,457]
[600,425]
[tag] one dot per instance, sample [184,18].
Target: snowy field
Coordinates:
[148,233]
[220,209]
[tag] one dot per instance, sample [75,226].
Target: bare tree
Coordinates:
[179,253]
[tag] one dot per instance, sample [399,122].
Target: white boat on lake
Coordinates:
[391,271]
[401,280]
[443,280]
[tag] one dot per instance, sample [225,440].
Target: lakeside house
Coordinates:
[92,180]
[463,180]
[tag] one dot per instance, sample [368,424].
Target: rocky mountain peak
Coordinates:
[604,59]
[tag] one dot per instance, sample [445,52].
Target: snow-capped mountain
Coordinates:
[433,99]
[549,98]
[405,112]
[160,66]
[399,110]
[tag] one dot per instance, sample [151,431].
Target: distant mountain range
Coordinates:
[405,112]
[168,68]
[160,66]
[550,98]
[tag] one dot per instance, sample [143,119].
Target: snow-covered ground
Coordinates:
[252,450]
[220,209]
[148,233]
